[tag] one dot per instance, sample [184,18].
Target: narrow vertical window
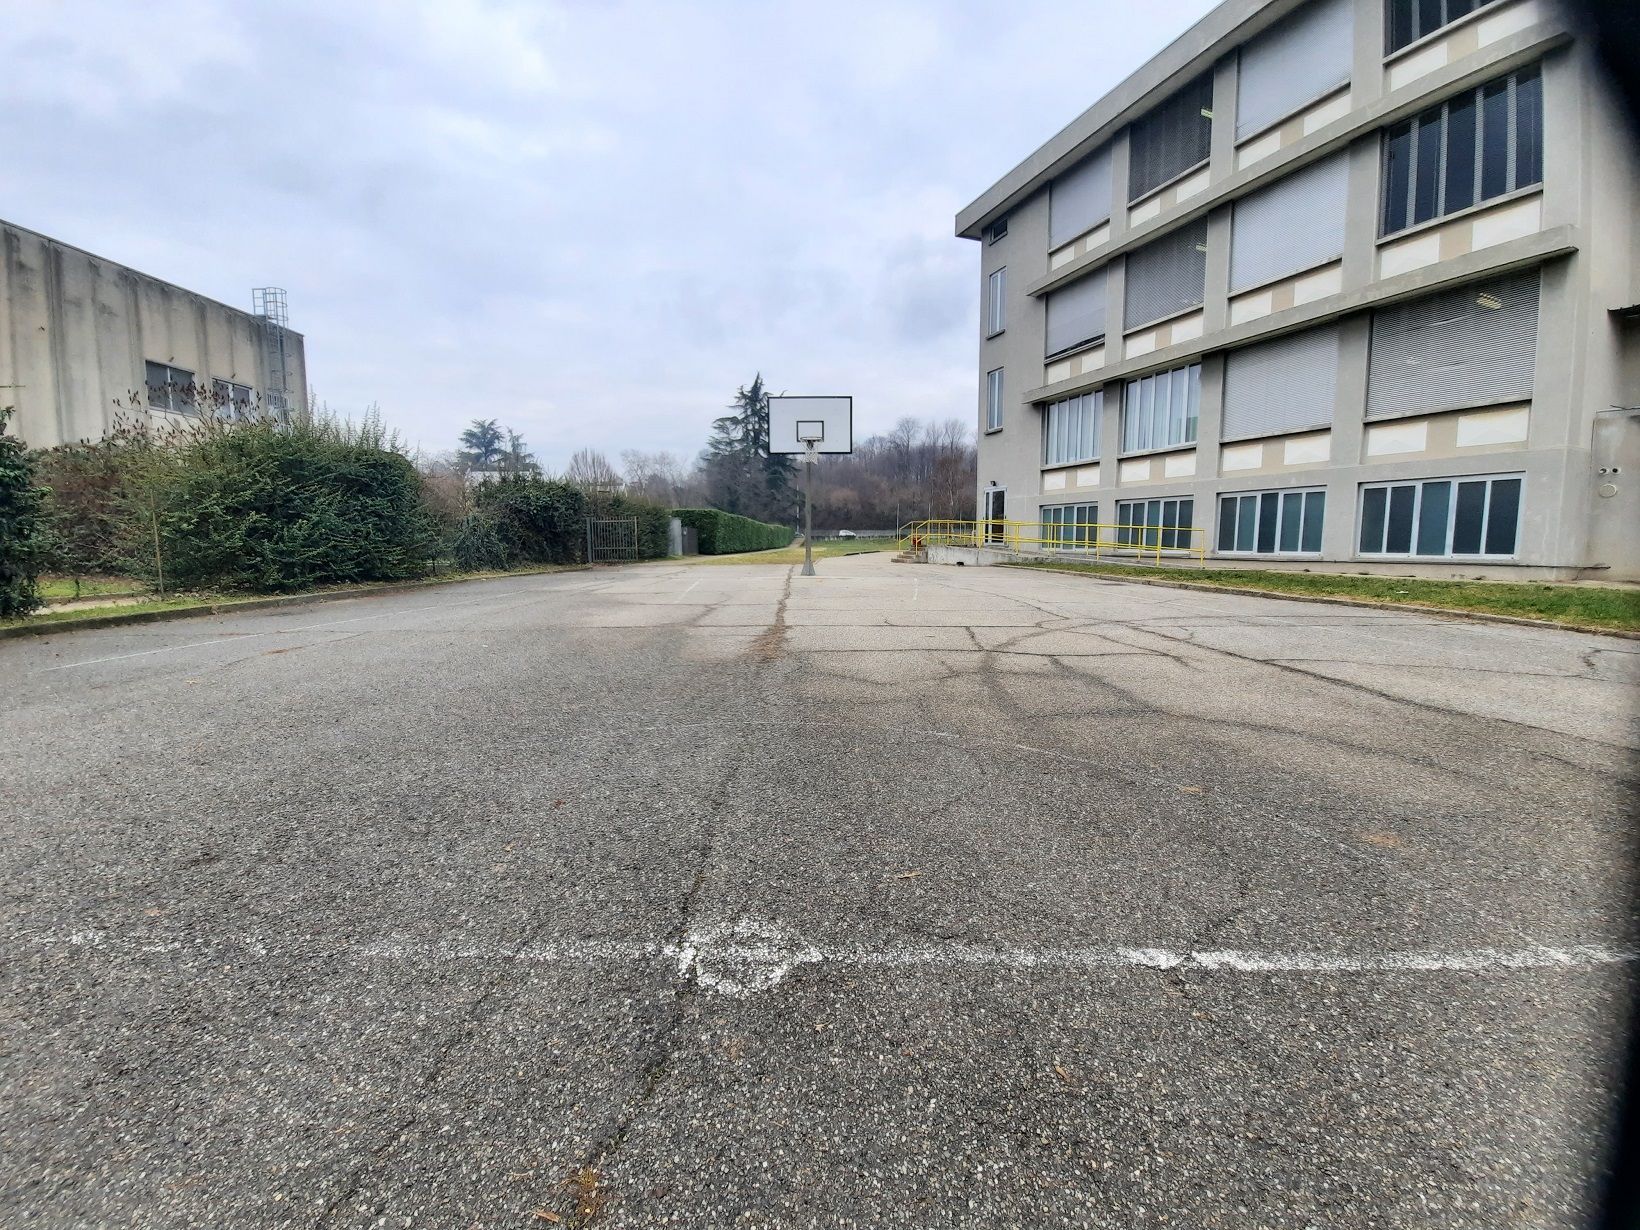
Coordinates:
[1460,155]
[1397,176]
[1427,166]
[998,286]
[993,400]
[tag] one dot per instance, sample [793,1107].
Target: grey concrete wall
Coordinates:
[76,332]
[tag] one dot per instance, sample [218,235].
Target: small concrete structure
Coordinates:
[86,344]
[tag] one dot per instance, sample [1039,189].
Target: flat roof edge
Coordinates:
[108,260]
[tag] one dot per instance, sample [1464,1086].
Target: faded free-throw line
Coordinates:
[751,955]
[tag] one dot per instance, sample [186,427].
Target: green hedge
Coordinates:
[22,528]
[526,520]
[278,508]
[722,533]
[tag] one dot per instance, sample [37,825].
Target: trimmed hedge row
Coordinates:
[722,533]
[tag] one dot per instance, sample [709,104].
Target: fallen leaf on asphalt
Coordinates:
[908,875]
[543,1215]
[1063,1075]
[1381,839]
[558,802]
[1190,789]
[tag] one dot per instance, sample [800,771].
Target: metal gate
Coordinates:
[611,538]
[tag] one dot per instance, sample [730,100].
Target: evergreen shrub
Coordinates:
[22,527]
[722,533]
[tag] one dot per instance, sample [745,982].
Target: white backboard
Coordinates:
[793,421]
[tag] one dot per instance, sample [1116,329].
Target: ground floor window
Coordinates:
[1155,523]
[1067,527]
[1272,522]
[1441,516]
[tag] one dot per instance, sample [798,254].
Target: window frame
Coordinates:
[1451,514]
[996,298]
[227,405]
[997,230]
[1092,406]
[1084,531]
[1473,102]
[176,402]
[1261,500]
[1392,52]
[993,400]
[1150,535]
[1190,424]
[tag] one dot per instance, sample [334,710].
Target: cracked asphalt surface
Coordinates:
[899,896]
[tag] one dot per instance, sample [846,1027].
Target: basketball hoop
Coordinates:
[809,426]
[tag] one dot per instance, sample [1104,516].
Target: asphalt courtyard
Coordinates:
[899,896]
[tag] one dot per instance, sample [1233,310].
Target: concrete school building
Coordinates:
[85,342]
[1335,284]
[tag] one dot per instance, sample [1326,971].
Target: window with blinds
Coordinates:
[1272,522]
[1160,411]
[1076,314]
[1070,527]
[1070,429]
[1295,224]
[1171,139]
[1166,276]
[1443,516]
[1478,145]
[1079,200]
[1294,63]
[1284,385]
[1473,346]
[1409,20]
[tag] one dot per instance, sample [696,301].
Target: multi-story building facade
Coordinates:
[86,344]
[1330,284]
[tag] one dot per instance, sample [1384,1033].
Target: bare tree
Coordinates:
[590,470]
[655,476]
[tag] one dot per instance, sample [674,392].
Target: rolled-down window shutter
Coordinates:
[1076,314]
[1466,347]
[1285,385]
[1172,138]
[1296,223]
[1294,63]
[1166,276]
[1079,200]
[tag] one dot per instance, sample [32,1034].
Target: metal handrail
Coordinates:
[1095,539]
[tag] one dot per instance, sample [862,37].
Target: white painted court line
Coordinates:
[679,598]
[748,955]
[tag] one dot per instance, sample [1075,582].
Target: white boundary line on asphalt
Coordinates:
[740,958]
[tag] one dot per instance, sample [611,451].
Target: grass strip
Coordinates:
[829,549]
[1583,606]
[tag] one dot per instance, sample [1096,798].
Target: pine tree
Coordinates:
[741,475]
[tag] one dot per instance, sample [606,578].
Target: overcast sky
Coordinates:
[590,220]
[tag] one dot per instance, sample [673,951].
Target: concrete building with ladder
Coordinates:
[86,344]
[1338,284]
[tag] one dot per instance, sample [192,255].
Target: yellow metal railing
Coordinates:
[1083,539]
